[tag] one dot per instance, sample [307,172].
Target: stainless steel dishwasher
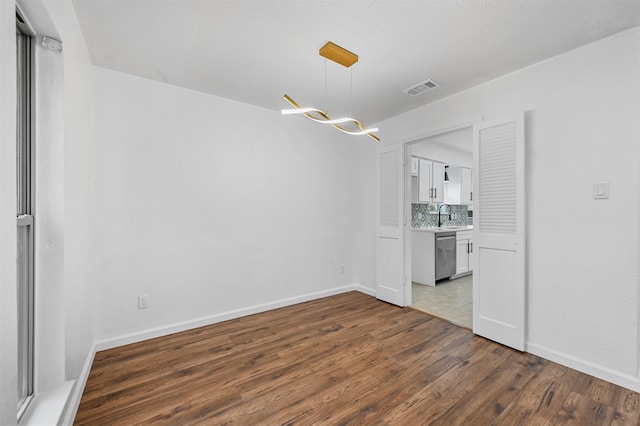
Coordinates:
[445,254]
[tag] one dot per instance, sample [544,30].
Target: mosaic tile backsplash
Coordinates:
[458,217]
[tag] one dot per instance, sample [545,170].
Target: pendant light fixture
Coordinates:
[446,175]
[345,58]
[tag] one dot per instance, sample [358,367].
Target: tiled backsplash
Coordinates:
[421,218]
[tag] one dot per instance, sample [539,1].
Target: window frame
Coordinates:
[25,193]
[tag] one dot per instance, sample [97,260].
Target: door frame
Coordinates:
[407,194]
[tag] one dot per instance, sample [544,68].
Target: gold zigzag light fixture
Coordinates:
[345,58]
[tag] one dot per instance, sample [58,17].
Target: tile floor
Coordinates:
[449,300]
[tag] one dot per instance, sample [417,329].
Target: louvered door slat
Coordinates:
[497,178]
[389,189]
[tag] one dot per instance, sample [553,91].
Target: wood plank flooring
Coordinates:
[346,359]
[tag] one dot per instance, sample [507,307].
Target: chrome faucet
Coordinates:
[439,216]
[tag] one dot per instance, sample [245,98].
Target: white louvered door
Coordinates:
[499,231]
[390,226]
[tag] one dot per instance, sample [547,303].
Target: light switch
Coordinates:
[601,191]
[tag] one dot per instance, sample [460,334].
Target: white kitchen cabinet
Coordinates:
[437,181]
[415,166]
[464,252]
[462,256]
[423,258]
[458,190]
[424,181]
[466,186]
[414,189]
[431,182]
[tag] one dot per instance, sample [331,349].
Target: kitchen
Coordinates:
[442,226]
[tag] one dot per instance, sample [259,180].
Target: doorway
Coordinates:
[441,206]
[498,259]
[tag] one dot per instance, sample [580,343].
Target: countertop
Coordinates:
[444,229]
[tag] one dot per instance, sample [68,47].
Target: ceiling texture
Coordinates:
[256,51]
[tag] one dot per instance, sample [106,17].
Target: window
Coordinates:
[25,190]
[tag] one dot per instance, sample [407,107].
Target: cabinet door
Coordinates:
[466,186]
[414,189]
[437,182]
[462,256]
[414,166]
[424,178]
[452,188]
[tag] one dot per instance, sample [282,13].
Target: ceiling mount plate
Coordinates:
[338,54]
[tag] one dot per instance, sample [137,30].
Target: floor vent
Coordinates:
[418,89]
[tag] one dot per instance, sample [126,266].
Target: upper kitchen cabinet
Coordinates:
[466,186]
[437,180]
[459,189]
[415,166]
[431,182]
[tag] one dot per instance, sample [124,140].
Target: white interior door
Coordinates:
[390,274]
[498,232]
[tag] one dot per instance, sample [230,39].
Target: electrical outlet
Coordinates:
[143,301]
[601,191]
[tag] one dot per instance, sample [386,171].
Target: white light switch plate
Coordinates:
[601,191]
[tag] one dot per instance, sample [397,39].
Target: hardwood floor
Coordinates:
[346,359]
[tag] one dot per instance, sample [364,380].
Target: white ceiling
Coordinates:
[256,51]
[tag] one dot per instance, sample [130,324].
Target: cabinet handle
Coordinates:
[471,247]
[471,196]
[430,192]
[468,248]
[435,192]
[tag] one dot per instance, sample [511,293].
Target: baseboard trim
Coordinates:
[71,408]
[365,290]
[621,379]
[129,338]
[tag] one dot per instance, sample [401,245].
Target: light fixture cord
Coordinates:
[350,90]
[326,108]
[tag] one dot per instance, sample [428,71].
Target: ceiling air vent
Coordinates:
[421,88]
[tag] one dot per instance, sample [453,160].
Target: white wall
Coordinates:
[210,206]
[366,214]
[8,314]
[582,112]
[78,188]
[49,220]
